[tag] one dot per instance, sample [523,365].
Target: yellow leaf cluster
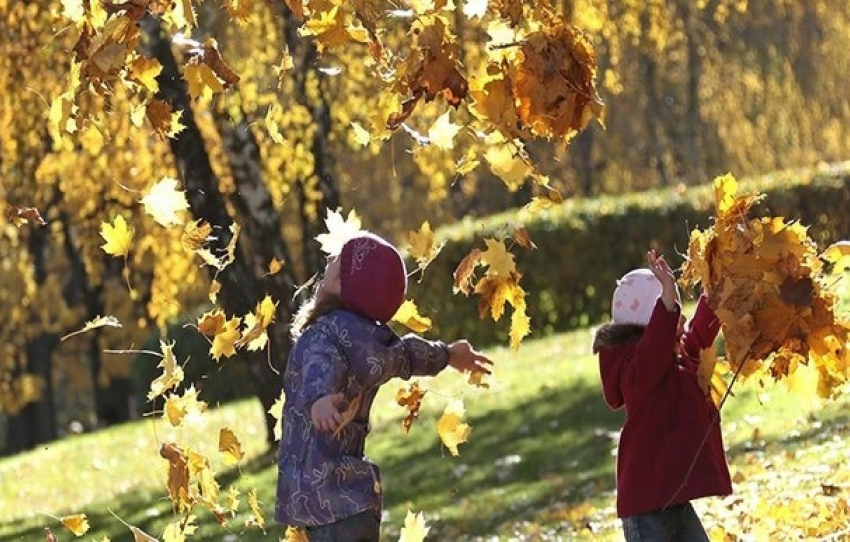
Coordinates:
[771,292]
[544,89]
[499,286]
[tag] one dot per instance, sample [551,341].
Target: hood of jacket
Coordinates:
[614,343]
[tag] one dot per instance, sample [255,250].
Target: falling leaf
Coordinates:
[408,315]
[295,534]
[339,231]
[423,245]
[478,379]
[275,266]
[144,71]
[224,343]
[361,135]
[508,166]
[443,132]
[254,331]
[98,321]
[838,254]
[463,274]
[22,215]
[257,517]
[522,237]
[164,120]
[178,473]
[172,373]
[228,443]
[415,528]
[164,201]
[276,412]
[201,80]
[196,234]
[452,430]
[496,256]
[77,524]
[186,408]
[178,531]
[118,237]
[411,399]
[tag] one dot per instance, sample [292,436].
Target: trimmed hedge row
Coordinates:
[584,246]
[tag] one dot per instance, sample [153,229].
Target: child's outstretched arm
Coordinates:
[661,269]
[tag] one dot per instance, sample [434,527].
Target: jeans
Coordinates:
[675,524]
[362,527]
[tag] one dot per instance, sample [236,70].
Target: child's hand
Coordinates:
[669,290]
[465,358]
[325,414]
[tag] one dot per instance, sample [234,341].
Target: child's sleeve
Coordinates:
[655,351]
[316,369]
[702,330]
[407,356]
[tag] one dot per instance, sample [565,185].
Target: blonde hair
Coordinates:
[310,311]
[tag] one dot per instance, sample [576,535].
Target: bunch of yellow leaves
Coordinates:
[771,291]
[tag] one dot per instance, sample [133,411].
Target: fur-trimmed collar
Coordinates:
[612,334]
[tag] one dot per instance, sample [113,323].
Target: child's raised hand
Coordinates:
[325,414]
[661,269]
[465,358]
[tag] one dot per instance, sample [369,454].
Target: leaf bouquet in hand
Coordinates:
[772,291]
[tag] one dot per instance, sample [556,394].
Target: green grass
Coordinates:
[538,465]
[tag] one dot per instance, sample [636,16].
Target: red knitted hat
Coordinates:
[373,278]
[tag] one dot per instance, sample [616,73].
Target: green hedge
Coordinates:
[583,246]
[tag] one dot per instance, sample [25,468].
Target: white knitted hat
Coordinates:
[635,297]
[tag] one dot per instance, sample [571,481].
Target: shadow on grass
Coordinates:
[554,449]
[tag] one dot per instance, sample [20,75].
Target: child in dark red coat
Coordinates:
[671,447]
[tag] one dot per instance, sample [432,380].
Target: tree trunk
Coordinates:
[693,119]
[652,113]
[36,422]
[241,287]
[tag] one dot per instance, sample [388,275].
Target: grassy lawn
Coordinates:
[538,465]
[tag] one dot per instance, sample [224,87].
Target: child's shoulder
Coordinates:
[611,335]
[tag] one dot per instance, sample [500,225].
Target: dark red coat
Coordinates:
[667,415]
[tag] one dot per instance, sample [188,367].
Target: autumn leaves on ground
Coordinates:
[538,464]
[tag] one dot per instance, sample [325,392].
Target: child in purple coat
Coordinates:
[343,353]
[671,447]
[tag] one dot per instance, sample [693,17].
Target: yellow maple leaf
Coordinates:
[339,231]
[276,412]
[164,202]
[172,373]
[500,261]
[408,315]
[224,343]
[415,528]
[452,430]
[442,133]
[228,443]
[186,408]
[196,234]
[838,254]
[254,331]
[423,245]
[145,71]
[118,237]
[275,266]
[295,534]
[201,80]
[512,169]
[98,321]
[76,523]
[232,499]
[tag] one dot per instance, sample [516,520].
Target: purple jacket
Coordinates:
[322,478]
